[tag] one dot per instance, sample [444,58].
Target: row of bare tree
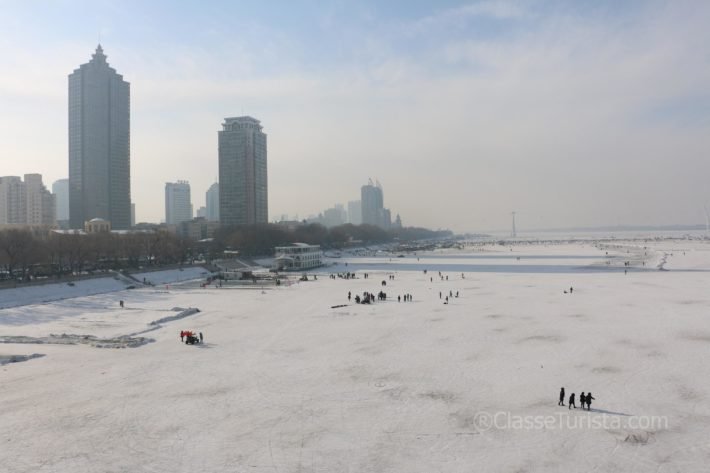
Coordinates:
[39,252]
[34,252]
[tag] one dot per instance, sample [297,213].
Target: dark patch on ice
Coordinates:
[688,394]
[436,319]
[606,369]
[6,359]
[494,316]
[697,337]
[181,315]
[542,338]
[639,438]
[445,396]
[395,393]
[691,302]
[656,354]
[341,314]
[73,339]
[464,419]
[578,316]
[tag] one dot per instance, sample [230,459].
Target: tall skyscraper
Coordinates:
[212,201]
[372,201]
[243,188]
[60,189]
[178,205]
[372,206]
[99,144]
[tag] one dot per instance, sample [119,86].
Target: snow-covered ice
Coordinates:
[285,383]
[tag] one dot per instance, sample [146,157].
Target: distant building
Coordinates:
[297,257]
[60,189]
[355,212]
[99,144]
[397,222]
[201,212]
[372,206]
[243,184]
[197,229]
[12,201]
[26,203]
[97,225]
[212,201]
[178,206]
[334,216]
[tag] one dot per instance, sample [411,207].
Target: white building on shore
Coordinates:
[297,257]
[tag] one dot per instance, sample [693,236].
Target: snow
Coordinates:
[33,294]
[284,383]
[38,293]
[172,275]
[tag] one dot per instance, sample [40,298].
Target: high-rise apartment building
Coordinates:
[243,187]
[354,212]
[372,206]
[99,144]
[212,201]
[12,200]
[25,203]
[60,189]
[178,205]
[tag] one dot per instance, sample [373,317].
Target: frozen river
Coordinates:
[287,382]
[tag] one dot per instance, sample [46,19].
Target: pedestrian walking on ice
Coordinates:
[182,335]
[589,401]
[562,397]
[201,338]
[571,402]
[582,400]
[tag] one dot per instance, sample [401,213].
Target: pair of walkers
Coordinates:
[583,399]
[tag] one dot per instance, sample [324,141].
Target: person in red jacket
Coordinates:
[182,335]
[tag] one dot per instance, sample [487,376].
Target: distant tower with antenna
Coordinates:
[513,232]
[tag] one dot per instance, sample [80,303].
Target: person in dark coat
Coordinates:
[201,338]
[562,397]
[571,402]
[589,401]
[582,399]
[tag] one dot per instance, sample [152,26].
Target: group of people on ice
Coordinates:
[190,338]
[583,399]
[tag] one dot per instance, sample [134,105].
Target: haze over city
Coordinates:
[572,114]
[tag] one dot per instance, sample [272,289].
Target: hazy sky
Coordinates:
[571,113]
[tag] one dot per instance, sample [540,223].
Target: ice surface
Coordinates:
[285,383]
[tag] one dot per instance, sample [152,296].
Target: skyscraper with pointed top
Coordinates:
[99,144]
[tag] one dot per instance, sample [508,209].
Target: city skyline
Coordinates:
[581,114]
